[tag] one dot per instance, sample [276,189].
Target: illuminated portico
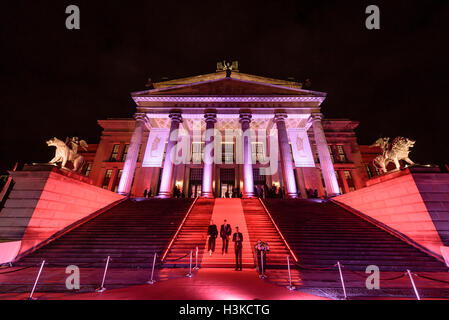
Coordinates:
[131,155]
[207,115]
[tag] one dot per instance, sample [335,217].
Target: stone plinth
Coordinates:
[45,200]
[414,201]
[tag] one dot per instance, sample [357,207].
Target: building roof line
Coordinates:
[303,91]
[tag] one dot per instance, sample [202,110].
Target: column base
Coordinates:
[208,195]
[292,196]
[163,196]
[333,195]
[249,196]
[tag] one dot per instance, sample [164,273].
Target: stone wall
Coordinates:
[45,200]
[414,202]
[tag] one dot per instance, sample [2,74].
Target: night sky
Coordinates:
[58,82]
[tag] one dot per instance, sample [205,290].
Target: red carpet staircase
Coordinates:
[260,227]
[232,211]
[130,233]
[192,235]
[320,234]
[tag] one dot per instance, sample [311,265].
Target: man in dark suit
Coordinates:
[212,232]
[237,238]
[225,232]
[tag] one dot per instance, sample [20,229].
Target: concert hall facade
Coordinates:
[264,142]
[314,153]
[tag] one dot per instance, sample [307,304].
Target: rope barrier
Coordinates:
[12,271]
[180,258]
[394,278]
[85,264]
[430,278]
[312,268]
[365,275]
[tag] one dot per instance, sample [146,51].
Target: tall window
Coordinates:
[88,169]
[107,179]
[125,152]
[114,153]
[257,152]
[227,153]
[117,181]
[196,175]
[258,178]
[348,178]
[341,153]
[197,152]
[331,153]
[340,183]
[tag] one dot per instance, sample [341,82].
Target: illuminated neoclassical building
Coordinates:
[312,152]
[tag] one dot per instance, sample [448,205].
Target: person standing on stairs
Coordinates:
[225,232]
[212,232]
[237,238]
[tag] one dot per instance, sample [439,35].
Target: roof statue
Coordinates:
[68,151]
[393,152]
[228,67]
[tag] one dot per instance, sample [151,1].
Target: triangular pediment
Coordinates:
[229,87]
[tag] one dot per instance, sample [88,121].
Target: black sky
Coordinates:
[58,82]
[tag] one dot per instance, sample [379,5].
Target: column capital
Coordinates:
[245,117]
[316,117]
[140,116]
[280,116]
[175,116]
[210,116]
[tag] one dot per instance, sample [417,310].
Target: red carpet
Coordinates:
[232,211]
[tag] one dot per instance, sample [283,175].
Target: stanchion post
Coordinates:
[152,281]
[342,281]
[36,281]
[413,284]
[102,288]
[262,275]
[196,259]
[189,275]
[290,287]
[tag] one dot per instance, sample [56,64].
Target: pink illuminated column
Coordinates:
[327,167]
[286,156]
[129,166]
[167,169]
[248,178]
[206,190]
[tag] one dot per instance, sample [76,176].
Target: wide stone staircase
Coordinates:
[193,234]
[130,233]
[260,227]
[322,233]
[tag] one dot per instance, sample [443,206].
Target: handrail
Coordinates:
[69,228]
[177,231]
[389,230]
[279,232]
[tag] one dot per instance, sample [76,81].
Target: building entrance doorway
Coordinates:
[195,190]
[195,182]
[259,183]
[227,190]
[227,182]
